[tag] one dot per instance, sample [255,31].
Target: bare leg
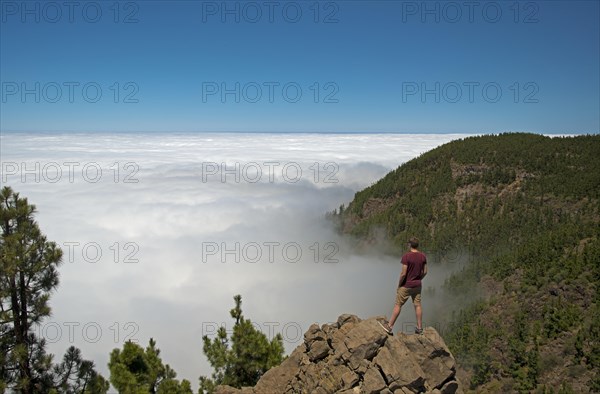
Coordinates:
[395,315]
[419,313]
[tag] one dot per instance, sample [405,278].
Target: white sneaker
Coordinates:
[385,325]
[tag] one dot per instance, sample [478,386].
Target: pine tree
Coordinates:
[134,370]
[242,359]
[28,275]
[75,375]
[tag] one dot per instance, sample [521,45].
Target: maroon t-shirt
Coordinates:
[415,265]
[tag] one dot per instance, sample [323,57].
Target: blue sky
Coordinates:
[360,66]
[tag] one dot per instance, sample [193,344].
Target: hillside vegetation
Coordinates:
[521,212]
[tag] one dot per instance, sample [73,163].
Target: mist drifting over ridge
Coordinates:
[159,231]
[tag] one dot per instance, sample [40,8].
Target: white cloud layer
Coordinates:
[180,208]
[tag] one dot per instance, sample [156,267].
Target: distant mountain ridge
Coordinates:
[523,211]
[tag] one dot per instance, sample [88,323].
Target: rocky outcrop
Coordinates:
[358,356]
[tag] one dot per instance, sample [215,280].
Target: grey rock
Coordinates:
[434,357]
[347,318]
[318,350]
[373,382]
[398,367]
[363,341]
[281,376]
[450,388]
[349,379]
[314,333]
[355,356]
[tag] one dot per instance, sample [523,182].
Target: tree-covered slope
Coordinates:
[522,209]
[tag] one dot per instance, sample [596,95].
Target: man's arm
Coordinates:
[424,270]
[402,275]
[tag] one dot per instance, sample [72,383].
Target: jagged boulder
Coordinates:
[356,356]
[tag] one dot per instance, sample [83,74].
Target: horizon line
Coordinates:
[298,132]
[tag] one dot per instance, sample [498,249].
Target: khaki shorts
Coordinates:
[403,293]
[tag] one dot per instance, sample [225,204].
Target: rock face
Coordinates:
[358,356]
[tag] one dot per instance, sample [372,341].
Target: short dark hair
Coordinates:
[413,242]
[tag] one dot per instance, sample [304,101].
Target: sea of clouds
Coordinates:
[160,230]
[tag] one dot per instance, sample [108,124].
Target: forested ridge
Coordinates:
[521,211]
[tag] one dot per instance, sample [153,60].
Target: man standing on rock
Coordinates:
[414,269]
